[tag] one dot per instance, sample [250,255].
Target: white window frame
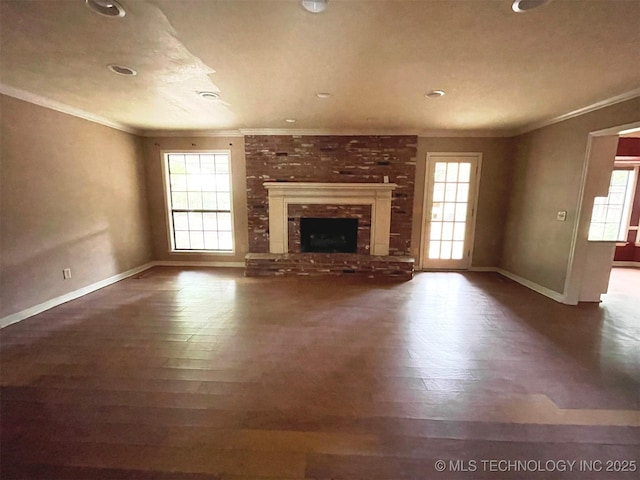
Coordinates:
[634,163]
[626,215]
[164,158]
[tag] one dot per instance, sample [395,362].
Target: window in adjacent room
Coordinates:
[610,216]
[199,201]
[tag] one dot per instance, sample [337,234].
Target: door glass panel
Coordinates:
[464,173]
[434,249]
[463,192]
[438,192]
[436,211]
[456,252]
[445,251]
[436,231]
[447,231]
[452,172]
[449,210]
[458,231]
[450,192]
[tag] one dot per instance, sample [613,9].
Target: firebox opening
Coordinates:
[329,235]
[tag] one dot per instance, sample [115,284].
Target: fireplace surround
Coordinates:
[283,194]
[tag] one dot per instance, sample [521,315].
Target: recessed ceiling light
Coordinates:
[314,6]
[290,120]
[108,8]
[122,70]
[209,95]
[521,6]
[323,95]
[434,94]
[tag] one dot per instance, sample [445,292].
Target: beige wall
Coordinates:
[73,196]
[548,167]
[153,148]
[492,195]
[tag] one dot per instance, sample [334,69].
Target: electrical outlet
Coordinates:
[562,215]
[66,273]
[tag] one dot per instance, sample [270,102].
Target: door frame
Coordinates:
[427,194]
[578,252]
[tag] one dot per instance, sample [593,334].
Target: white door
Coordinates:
[449,210]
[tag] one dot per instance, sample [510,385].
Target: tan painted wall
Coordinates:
[153,148]
[548,166]
[72,195]
[492,196]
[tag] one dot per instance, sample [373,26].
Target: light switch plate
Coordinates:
[562,215]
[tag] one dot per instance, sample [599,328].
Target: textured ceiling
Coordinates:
[268,58]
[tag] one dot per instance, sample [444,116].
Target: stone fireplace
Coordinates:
[368,179]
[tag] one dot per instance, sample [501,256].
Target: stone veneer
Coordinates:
[340,159]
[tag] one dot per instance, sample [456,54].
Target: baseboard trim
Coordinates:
[67,297]
[621,263]
[547,292]
[181,263]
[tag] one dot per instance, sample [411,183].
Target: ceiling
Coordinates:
[502,71]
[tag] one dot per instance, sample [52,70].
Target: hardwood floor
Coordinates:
[205,374]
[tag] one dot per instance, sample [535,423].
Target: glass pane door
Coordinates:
[450,189]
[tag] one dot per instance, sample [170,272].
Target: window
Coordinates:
[199,201]
[610,216]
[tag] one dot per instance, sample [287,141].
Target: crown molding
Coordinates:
[76,112]
[62,108]
[192,133]
[581,111]
[241,132]
[466,133]
[326,131]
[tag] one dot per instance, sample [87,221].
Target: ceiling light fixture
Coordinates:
[434,94]
[323,95]
[122,70]
[209,95]
[314,6]
[290,120]
[108,8]
[521,6]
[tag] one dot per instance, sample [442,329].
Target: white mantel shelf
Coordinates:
[283,194]
[312,189]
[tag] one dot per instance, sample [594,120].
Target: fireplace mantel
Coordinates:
[282,194]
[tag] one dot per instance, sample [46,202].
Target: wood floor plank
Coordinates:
[203,374]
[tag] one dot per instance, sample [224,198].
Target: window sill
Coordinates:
[203,252]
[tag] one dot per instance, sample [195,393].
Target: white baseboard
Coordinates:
[620,263]
[186,263]
[54,302]
[547,292]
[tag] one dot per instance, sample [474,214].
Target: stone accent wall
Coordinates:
[361,212]
[356,159]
